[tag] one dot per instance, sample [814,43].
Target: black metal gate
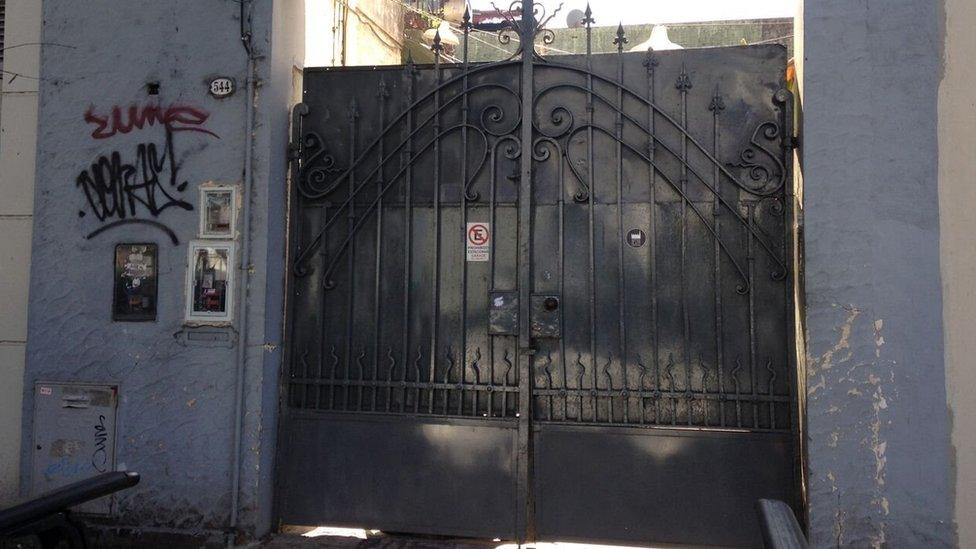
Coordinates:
[543,298]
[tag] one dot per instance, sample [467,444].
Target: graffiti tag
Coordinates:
[100,456]
[119,190]
[176,118]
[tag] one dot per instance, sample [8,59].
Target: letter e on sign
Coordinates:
[478,241]
[221,87]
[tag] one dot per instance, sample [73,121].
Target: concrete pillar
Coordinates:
[957,198]
[878,429]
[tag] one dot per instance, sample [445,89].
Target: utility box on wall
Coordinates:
[73,437]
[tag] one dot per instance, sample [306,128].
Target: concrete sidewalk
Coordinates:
[373,540]
[379,540]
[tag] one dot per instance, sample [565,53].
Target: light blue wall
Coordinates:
[878,437]
[176,413]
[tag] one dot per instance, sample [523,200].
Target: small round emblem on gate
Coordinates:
[636,238]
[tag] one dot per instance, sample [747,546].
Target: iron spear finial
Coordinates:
[684,80]
[466,19]
[410,67]
[588,16]
[718,103]
[437,47]
[621,38]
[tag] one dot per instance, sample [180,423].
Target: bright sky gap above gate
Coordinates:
[633,12]
[320,46]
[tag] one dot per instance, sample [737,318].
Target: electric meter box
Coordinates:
[73,437]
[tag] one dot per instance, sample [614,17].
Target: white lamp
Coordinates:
[448,38]
[658,41]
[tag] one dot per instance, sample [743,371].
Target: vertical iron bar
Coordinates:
[463,309]
[562,278]
[447,374]
[351,217]
[606,370]
[621,278]
[526,529]
[651,64]
[408,227]
[294,232]
[389,378]
[579,385]
[416,378]
[592,200]
[717,106]
[322,339]
[362,377]
[772,404]
[475,394]
[669,371]
[790,281]
[332,377]
[683,85]
[548,370]
[751,212]
[383,94]
[322,334]
[493,158]
[738,393]
[437,48]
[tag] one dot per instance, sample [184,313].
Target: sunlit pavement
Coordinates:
[348,538]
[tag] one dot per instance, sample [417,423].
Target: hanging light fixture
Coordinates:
[448,38]
[659,41]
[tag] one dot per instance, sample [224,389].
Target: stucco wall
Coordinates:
[176,414]
[18,136]
[878,428]
[957,198]
[374,33]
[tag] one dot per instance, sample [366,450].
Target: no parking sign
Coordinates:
[478,241]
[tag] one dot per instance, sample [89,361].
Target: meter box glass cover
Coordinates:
[218,212]
[135,292]
[210,281]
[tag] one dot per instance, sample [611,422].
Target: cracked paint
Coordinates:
[844,369]
[826,360]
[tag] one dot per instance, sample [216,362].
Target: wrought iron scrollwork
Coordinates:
[316,167]
[564,126]
[764,159]
[462,105]
[764,167]
[515,26]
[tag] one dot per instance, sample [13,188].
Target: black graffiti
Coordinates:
[100,456]
[122,191]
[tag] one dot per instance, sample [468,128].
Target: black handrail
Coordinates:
[780,530]
[34,516]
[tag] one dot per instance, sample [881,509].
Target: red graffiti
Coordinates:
[176,118]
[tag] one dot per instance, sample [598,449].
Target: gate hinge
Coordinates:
[294,151]
[791,143]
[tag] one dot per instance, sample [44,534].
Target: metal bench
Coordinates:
[48,516]
[780,530]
